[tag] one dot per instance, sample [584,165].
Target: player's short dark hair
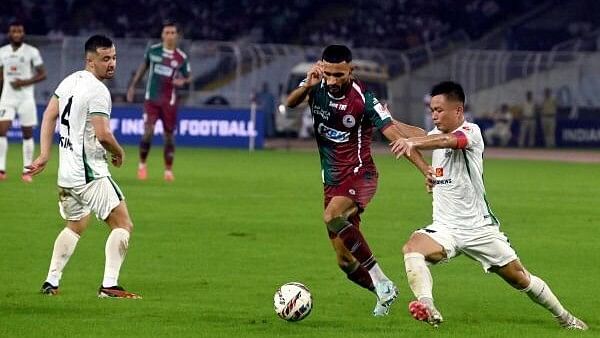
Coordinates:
[451,89]
[170,24]
[337,54]
[97,41]
[16,23]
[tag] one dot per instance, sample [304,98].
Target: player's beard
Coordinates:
[336,90]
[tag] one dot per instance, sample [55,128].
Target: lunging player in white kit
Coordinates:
[462,220]
[21,66]
[84,182]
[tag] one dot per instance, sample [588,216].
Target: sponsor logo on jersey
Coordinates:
[324,113]
[338,106]
[163,70]
[439,172]
[155,58]
[333,135]
[446,181]
[348,121]
[448,153]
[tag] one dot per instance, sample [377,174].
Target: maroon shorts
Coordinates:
[360,188]
[164,111]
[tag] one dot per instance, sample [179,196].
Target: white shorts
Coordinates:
[100,196]
[25,109]
[487,245]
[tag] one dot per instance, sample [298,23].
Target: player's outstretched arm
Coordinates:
[136,78]
[46,134]
[104,135]
[404,147]
[408,130]
[393,134]
[313,77]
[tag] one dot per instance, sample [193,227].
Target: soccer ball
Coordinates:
[293,301]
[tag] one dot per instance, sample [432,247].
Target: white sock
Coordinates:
[115,251]
[3,150]
[28,149]
[377,274]
[540,293]
[418,275]
[65,244]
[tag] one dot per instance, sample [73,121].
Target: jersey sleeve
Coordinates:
[100,102]
[376,112]
[185,68]
[59,91]
[468,136]
[36,57]
[147,56]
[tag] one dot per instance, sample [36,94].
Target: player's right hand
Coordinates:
[314,74]
[117,160]
[130,94]
[37,166]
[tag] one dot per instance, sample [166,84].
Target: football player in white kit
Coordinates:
[83,104]
[463,222]
[21,66]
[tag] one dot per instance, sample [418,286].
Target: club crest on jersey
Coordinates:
[174,63]
[439,172]
[348,121]
[352,192]
[333,134]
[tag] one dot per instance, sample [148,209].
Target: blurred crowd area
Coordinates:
[393,24]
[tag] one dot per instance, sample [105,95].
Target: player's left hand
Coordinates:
[179,82]
[17,83]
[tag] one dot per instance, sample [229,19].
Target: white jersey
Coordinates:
[459,199]
[18,64]
[82,157]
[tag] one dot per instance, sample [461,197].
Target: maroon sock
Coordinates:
[361,277]
[169,155]
[144,150]
[355,242]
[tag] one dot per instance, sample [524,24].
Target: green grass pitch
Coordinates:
[209,250]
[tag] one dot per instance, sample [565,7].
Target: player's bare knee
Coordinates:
[329,216]
[169,139]
[147,136]
[411,246]
[27,133]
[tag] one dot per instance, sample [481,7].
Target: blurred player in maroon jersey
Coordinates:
[169,68]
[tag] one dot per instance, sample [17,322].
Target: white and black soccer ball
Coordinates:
[293,301]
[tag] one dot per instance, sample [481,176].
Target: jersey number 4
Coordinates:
[64,117]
